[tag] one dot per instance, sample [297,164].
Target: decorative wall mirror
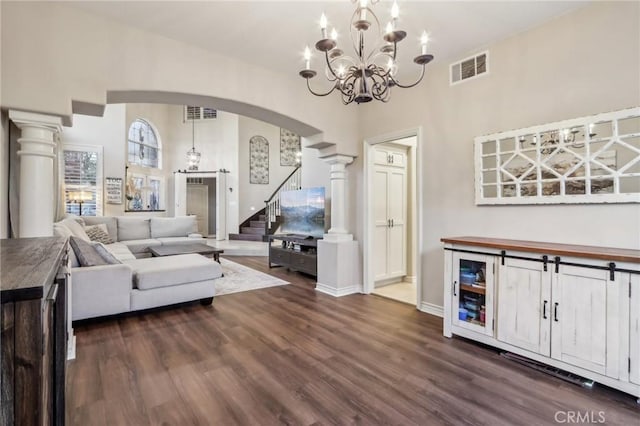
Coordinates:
[593,159]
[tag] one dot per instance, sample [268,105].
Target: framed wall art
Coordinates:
[113,189]
[259,160]
[594,159]
[289,148]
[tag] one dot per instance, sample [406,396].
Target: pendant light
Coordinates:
[193,156]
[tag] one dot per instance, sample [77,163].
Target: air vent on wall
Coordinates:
[199,113]
[470,67]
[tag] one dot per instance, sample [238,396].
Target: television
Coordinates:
[302,212]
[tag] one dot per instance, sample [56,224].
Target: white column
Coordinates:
[338,260]
[338,175]
[37,154]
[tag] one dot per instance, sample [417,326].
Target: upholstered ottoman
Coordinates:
[159,281]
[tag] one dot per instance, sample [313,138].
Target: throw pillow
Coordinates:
[76,229]
[86,253]
[98,233]
[106,255]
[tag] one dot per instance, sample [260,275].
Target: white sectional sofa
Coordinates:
[140,233]
[129,281]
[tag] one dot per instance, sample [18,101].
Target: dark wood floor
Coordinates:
[290,355]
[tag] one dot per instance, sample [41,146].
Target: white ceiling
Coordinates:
[273,34]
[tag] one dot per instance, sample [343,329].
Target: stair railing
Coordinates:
[272,204]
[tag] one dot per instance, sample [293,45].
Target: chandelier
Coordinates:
[370,74]
[193,156]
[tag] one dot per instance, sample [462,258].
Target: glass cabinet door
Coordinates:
[473,287]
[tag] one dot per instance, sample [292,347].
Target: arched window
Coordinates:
[143,146]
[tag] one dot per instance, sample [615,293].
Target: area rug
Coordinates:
[238,278]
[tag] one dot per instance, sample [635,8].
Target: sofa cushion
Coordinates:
[141,246]
[76,229]
[173,270]
[133,228]
[86,253]
[98,233]
[180,226]
[112,224]
[120,251]
[106,255]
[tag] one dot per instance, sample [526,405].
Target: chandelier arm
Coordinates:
[395,82]
[326,55]
[320,94]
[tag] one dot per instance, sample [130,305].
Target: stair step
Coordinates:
[258,223]
[245,237]
[262,217]
[250,230]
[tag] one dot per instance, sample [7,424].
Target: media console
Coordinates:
[296,252]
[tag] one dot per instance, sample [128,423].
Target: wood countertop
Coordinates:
[590,252]
[28,266]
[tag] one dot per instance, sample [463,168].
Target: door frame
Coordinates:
[414,161]
[180,197]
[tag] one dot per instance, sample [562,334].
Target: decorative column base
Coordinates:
[338,271]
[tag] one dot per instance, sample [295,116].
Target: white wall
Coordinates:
[252,196]
[109,132]
[582,63]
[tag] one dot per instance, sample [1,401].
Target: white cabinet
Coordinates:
[472,292]
[578,314]
[634,328]
[390,213]
[524,305]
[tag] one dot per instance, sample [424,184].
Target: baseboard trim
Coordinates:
[332,291]
[432,309]
[410,279]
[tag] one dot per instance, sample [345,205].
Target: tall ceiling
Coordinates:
[273,34]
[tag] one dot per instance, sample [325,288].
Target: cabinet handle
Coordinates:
[544,310]
[454,288]
[392,223]
[555,312]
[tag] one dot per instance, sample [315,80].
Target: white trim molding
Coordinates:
[430,308]
[337,292]
[416,180]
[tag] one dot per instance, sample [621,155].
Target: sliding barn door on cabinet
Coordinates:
[390,212]
[584,318]
[524,305]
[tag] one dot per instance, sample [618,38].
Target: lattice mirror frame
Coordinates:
[594,159]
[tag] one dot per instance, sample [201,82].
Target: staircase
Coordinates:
[252,229]
[267,221]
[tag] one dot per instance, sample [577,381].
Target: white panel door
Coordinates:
[380,223]
[579,317]
[198,205]
[634,329]
[524,305]
[397,208]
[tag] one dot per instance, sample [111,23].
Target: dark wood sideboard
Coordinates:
[33,293]
[296,252]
